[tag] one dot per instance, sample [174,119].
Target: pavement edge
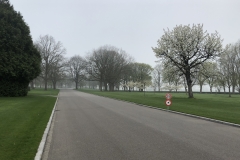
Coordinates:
[41,146]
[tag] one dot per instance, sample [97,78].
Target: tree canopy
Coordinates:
[20,60]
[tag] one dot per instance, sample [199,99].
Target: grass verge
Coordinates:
[215,106]
[23,121]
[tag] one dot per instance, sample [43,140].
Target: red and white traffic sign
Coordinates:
[168,96]
[168,102]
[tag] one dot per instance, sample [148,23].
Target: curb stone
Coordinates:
[41,146]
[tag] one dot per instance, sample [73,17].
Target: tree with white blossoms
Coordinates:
[142,85]
[131,85]
[187,47]
[171,87]
[139,85]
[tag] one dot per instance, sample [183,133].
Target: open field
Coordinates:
[216,106]
[23,121]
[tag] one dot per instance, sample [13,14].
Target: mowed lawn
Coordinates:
[22,123]
[216,106]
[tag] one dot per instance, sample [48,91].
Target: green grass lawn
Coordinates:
[22,123]
[216,106]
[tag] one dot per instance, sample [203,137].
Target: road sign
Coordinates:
[168,96]
[168,102]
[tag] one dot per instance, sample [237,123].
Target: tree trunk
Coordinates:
[76,81]
[233,88]
[229,91]
[185,86]
[54,85]
[111,87]
[76,85]
[189,84]
[190,93]
[100,85]
[105,86]
[45,83]
[200,88]
[159,82]
[211,88]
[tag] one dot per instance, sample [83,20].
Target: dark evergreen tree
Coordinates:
[19,59]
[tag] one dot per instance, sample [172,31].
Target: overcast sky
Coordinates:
[132,25]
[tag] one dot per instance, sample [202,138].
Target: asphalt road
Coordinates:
[88,127]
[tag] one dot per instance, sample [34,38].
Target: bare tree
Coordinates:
[77,69]
[115,68]
[107,65]
[186,48]
[57,72]
[51,52]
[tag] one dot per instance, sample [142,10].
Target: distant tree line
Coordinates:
[109,66]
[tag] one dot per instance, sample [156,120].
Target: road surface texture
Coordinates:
[88,127]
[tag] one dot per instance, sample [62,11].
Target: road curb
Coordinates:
[41,146]
[194,116]
[185,114]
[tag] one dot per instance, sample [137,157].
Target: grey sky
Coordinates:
[133,25]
